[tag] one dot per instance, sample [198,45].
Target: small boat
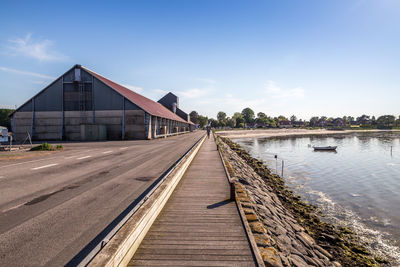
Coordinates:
[325,148]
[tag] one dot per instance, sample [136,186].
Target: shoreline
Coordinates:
[255,133]
[340,242]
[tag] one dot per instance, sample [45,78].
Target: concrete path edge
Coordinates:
[120,249]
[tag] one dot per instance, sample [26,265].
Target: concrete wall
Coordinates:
[134,124]
[22,124]
[112,119]
[72,123]
[48,125]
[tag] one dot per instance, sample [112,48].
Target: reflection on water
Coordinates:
[359,186]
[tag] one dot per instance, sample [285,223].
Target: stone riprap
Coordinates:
[277,226]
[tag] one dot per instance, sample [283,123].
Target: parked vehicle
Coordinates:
[323,148]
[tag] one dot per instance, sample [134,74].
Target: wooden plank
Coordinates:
[195,257]
[189,263]
[199,226]
[209,246]
[194,242]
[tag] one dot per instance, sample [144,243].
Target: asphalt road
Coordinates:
[52,206]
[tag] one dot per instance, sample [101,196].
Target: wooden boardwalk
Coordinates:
[199,226]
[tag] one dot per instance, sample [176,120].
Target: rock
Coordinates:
[330,238]
[305,239]
[310,261]
[284,240]
[321,256]
[323,251]
[251,217]
[299,247]
[257,227]
[296,227]
[270,257]
[285,249]
[248,211]
[319,262]
[262,240]
[297,261]
[285,261]
[278,230]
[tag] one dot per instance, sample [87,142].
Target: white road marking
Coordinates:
[23,162]
[124,147]
[45,166]
[107,152]
[2,177]
[13,208]
[70,157]
[85,157]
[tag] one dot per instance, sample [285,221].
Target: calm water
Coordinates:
[359,186]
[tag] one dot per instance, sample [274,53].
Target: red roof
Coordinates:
[148,105]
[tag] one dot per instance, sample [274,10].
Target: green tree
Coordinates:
[261,115]
[4,117]
[386,121]
[237,118]
[230,122]
[194,117]
[248,114]
[213,122]
[293,118]
[313,121]
[203,121]
[221,116]
[281,118]
[271,122]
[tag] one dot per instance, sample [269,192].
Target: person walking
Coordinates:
[208,131]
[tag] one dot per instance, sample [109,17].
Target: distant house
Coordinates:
[364,120]
[250,125]
[322,123]
[285,124]
[261,125]
[338,122]
[298,124]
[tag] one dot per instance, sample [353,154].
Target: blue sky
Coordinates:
[306,58]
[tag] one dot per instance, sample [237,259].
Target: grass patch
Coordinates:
[59,147]
[46,147]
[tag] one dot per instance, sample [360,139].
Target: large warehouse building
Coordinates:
[83,105]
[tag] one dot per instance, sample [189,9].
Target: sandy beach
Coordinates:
[287,132]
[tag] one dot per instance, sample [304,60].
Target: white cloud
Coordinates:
[38,49]
[134,88]
[274,91]
[193,93]
[28,73]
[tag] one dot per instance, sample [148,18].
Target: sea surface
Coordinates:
[357,186]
